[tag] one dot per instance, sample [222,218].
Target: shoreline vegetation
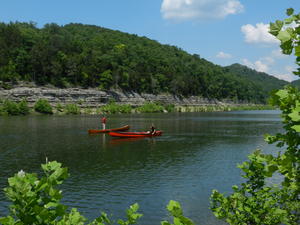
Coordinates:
[42,106]
[89,56]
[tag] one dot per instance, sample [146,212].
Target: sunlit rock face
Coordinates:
[95,97]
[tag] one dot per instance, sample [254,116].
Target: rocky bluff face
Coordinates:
[94,97]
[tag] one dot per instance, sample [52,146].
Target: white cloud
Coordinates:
[199,9]
[268,60]
[223,55]
[265,65]
[287,74]
[290,69]
[248,63]
[258,34]
[278,54]
[261,65]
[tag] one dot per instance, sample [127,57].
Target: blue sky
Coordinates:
[221,31]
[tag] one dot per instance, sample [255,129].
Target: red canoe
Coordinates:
[109,130]
[134,134]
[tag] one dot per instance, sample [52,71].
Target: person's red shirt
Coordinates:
[103,120]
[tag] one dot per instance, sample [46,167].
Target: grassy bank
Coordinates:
[42,106]
[220,108]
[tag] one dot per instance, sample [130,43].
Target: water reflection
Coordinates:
[197,152]
[117,141]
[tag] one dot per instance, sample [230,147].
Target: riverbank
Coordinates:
[95,101]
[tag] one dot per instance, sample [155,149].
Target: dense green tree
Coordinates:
[91,56]
[260,199]
[296,83]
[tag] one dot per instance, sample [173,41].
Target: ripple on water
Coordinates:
[197,152]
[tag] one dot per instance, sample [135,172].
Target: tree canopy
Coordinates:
[270,193]
[296,83]
[92,56]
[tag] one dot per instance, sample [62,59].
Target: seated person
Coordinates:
[152,130]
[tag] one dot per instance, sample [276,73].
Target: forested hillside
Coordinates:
[264,81]
[296,83]
[91,56]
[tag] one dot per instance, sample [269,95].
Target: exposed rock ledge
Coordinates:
[95,98]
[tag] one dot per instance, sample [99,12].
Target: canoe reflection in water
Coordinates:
[135,134]
[120,141]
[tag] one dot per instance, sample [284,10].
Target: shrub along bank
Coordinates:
[42,106]
[12,108]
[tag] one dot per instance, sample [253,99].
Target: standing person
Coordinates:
[103,121]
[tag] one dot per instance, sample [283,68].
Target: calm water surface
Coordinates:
[198,152]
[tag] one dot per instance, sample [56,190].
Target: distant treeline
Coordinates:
[296,83]
[91,56]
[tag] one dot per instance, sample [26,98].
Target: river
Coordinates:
[198,152]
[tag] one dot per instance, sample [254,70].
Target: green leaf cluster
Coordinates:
[288,35]
[175,210]
[257,200]
[38,201]
[132,215]
[34,200]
